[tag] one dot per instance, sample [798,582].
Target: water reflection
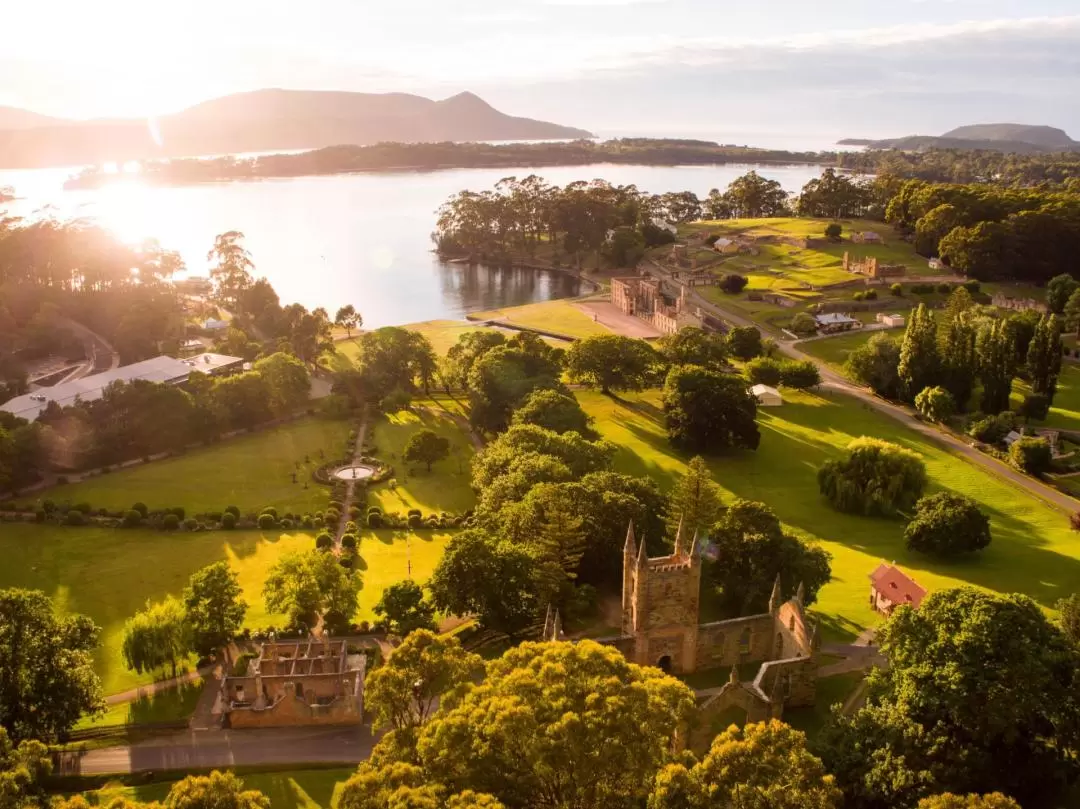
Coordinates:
[480,288]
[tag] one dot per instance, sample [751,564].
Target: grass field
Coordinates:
[110,574]
[250,471]
[560,317]
[446,486]
[288,789]
[162,706]
[1065,413]
[835,350]
[1033,550]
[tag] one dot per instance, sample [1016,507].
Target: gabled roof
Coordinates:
[763,390]
[834,317]
[897,586]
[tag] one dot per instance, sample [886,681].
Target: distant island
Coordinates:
[435,156]
[262,121]
[1014,138]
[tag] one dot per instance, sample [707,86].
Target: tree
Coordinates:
[755,550]
[554,411]
[288,382]
[231,272]
[1035,407]
[947,524]
[218,790]
[501,378]
[1058,291]
[479,575]
[958,352]
[803,324]
[307,585]
[213,608]
[423,670]
[919,365]
[764,371]
[556,725]
[875,364]
[1070,617]
[500,457]
[694,346]
[47,679]
[1044,357]
[404,609]
[995,800]
[996,361]
[426,447]
[559,545]
[695,500]
[985,685]
[23,770]
[874,478]
[156,636]
[759,765]
[348,318]
[1031,455]
[800,375]
[833,231]
[935,404]
[744,342]
[751,196]
[708,412]
[392,359]
[1072,313]
[611,362]
[732,283]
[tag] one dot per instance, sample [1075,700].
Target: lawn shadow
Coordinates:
[166,705]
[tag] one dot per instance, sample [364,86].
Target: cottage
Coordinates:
[767,396]
[867,237]
[937,264]
[726,246]
[891,588]
[890,320]
[834,322]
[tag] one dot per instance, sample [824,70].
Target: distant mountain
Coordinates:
[266,120]
[1018,138]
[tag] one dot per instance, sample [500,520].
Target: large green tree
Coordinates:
[611,362]
[404,609]
[156,636]
[554,410]
[996,362]
[709,412]
[307,585]
[695,500]
[47,679]
[1058,291]
[874,477]
[218,790]
[426,447]
[1044,357]
[694,346]
[876,365]
[920,364]
[231,270]
[213,607]
[752,550]
[759,766]
[947,524]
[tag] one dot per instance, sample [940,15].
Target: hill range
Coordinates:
[1019,138]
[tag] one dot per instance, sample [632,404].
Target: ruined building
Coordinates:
[872,269]
[308,682]
[661,627]
[649,299]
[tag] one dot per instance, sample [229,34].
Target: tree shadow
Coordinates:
[166,705]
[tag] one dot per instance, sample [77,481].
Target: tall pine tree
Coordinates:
[919,360]
[996,354]
[1044,357]
[695,501]
[956,344]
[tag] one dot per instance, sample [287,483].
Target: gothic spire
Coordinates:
[800,594]
[734,676]
[643,556]
[630,548]
[679,550]
[774,599]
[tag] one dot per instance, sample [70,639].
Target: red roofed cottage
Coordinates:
[891,588]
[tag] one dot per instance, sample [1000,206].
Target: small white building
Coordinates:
[937,264]
[767,396]
[890,320]
[726,246]
[215,325]
[867,237]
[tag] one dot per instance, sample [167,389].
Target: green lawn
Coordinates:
[1065,413]
[162,706]
[249,471]
[1033,552]
[835,350]
[560,317]
[830,690]
[110,574]
[288,789]
[446,486]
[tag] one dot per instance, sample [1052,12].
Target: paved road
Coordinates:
[229,748]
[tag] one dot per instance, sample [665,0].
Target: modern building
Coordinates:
[833,322]
[309,682]
[767,396]
[890,320]
[891,588]
[162,370]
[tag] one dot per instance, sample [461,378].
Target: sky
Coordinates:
[749,71]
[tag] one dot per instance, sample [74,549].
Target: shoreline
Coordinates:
[532,264]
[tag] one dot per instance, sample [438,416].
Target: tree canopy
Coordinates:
[213,607]
[307,585]
[947,524]
[611,362]
[875,478]
[709,412]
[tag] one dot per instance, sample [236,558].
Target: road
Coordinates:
[228,748]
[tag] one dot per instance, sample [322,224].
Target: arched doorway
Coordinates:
[664,664]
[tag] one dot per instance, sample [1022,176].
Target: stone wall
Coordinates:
[719,644]
[798,640]
[792,681]
[291,710]
[671,596]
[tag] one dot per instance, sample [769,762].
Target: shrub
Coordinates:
[269,510]
[432,522]
[935,404]
[833,231]
[40,515]
[800,375]
[944,288]
[947,524]
[972,286]
[179,511]
[266,521]
[75,517]
[330,520]
[897,290]
[141,508]
[233,510]
[413,512]
[48,506]
[191,524]
[992,429]
[324,541]
[287,523]
[1035,406]
[228,521]
[374,510]
[870,295]
[1031,455]
[764,371]
[415,520]
[733,283]
[170,522]
[308,522]
[82,507]
[354,513]
[803,324]
[858,296]
[336,505]
[375,519]
[351,527]
[922,289]
[348,541]
[874,478]
[132,518]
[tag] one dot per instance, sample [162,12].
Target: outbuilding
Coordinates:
[890,588]
[767,396]
[890,320]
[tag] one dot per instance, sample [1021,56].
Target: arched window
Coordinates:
[791,623]
[744,641]
[664,664]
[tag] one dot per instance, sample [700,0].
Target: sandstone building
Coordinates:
[649,299]
[308,682]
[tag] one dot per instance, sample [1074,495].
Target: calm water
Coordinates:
[362,239]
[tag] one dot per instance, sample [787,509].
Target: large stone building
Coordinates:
[661,627]
[650,300]
[871,268]
[308,682]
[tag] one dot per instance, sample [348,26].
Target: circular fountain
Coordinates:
[356,471]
